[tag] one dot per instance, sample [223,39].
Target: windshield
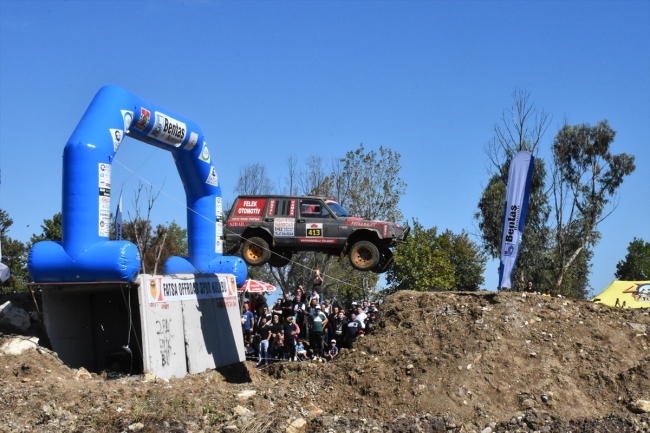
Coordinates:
[337,208]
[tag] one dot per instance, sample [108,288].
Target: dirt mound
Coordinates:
[439,362]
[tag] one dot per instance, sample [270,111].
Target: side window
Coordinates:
[284,208]
[313,209]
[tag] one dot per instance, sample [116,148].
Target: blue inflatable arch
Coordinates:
[85,254]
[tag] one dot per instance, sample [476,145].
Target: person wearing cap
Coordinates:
[318,324]
[333,352]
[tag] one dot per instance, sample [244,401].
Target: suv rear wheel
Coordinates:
[364,255]
[256,251]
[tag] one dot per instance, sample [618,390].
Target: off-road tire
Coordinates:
[385,261]
[279,258]
[256,251]
[364,256]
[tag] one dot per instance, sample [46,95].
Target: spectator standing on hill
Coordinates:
[265,339]
[317,283]
[260,305]
[339,329]
[361,317]
[370,324]
[530,288]
[277,308]
[287,307]
[247,323]
[354,326]
[314,298]
[299,309]
[290,334]
[276,330]
[318,322]
[267,314]
[365,307]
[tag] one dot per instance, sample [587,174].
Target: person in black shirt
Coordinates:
[299,309]
[287,307]
[339,328]
[276,330]
[260,304]
[290,332]
[354,326]
[265,340]
[277,308]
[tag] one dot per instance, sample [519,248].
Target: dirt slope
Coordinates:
[439,362]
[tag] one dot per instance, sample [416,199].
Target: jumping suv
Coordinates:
[270,228]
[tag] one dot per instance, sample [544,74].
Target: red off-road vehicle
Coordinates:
[270,228]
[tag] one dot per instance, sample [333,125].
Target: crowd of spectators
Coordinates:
[301,327]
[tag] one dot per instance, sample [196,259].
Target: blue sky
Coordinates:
[269,80]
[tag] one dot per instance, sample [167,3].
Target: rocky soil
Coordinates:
[440,362]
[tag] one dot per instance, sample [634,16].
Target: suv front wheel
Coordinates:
[256,251]
[364,255]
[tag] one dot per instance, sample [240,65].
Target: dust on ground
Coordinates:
[439,362]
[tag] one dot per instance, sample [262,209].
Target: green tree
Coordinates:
[636,265]
[368,184]
[177,240]
[586,176]
[51,230]
[522,127]
[14,255]
[422,263]
[467,259]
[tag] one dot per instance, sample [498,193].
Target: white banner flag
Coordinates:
[118,220]
[4,272]
[517,195]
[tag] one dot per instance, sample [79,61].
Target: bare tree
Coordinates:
[139,231]
[522,128]
[292,175]
[314,179]
[254,180]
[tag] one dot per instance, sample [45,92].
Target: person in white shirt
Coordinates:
[361,317]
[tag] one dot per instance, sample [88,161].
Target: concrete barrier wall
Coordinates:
[190,323]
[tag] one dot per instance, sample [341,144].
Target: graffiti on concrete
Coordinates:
[163,330]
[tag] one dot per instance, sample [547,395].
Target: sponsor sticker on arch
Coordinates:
[168,130]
